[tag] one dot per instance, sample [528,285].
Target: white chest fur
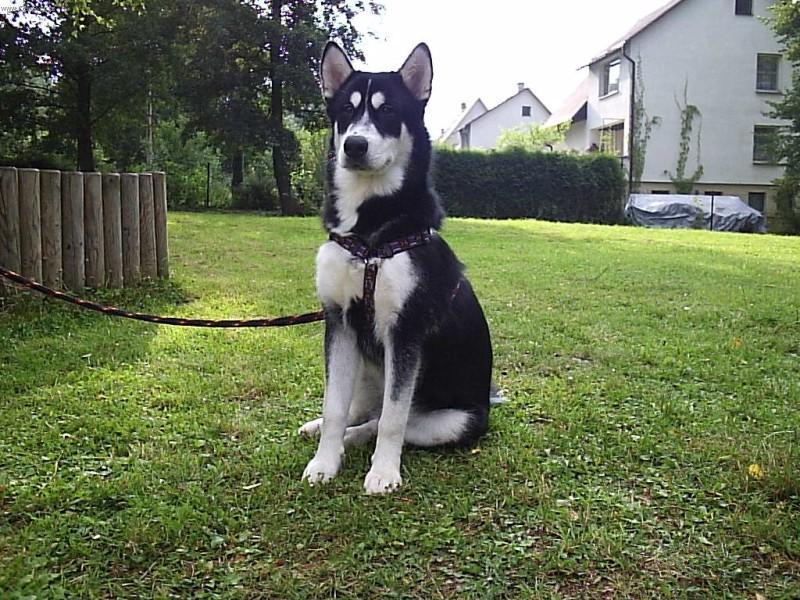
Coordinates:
[340,280]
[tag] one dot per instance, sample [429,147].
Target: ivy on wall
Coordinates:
[688,112]
[642,129]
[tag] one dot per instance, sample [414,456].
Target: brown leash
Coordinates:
[117,312]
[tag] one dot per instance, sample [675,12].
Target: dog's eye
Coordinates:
[387,109]
[348,109]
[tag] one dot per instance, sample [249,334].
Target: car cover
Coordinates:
[673,211]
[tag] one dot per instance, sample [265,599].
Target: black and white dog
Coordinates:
[407,351]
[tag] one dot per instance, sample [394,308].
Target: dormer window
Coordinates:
[744,7]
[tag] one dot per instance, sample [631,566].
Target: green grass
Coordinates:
[645,370]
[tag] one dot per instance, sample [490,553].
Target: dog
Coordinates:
[408,355]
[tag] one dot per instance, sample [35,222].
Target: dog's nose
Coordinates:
[356,146]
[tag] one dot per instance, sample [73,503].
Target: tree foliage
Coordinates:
[82,75]
[786,23]
[91,79]
[531,138]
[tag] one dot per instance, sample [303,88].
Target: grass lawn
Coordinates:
[650,446]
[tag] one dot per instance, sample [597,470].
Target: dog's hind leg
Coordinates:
[364,406]
[358,435]
[445,427]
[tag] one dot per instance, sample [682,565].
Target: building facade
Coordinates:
[685,98]
[477,128]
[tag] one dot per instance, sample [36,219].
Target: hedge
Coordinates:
[518,184]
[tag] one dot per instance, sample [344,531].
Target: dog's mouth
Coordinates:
[363,165]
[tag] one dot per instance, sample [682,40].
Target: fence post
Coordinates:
[72,240]
[131,260]
[112,230]
[93,229]
[147,226]
[50,192]
[160,206]
[30,223]
[9,222]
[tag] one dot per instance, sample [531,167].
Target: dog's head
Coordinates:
[375,117]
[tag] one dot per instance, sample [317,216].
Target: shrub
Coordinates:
[258,194]
[518,184]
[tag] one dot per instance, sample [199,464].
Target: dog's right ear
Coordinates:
[335,70]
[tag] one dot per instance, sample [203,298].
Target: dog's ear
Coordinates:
[417,72]
[335,69]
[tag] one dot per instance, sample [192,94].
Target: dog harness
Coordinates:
[371,255]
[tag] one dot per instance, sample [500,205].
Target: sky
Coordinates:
[482,49]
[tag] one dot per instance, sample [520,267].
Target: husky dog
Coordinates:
[407,350]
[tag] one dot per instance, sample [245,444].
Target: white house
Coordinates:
[478,127]
[715,55]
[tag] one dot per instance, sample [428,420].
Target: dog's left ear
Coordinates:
[417,72]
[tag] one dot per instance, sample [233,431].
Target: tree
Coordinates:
[532,138]
[250,64]
[82,67]
[786,23]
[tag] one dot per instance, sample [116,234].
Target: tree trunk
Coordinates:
[83,122]
[283,179]
[237,170]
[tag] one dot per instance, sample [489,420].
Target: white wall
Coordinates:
[486,128]
[704,43]
[576,138]
[477,109]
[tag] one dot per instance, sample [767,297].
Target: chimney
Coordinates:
[520,86]
[463,106]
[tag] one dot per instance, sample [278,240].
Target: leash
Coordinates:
[118,312]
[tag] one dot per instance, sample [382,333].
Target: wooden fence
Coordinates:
[76,230]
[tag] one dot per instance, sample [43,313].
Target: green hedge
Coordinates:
[518,184]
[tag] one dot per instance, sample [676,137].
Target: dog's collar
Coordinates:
[361,250]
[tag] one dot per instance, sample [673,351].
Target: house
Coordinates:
[478,127]
[683,99]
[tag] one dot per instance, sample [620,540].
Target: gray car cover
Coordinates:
[673,211]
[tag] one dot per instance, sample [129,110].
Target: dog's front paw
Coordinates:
[311,429]
[321,470]
[382,480]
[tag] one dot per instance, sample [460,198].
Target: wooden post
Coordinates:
[93,229]
[147,226]
[112,230]
[160,205]
[131,260]
[50,191]
[30,223]
[9,223]
[72,239]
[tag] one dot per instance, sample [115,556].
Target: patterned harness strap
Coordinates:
[370,255]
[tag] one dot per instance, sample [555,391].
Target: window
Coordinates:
[744,7]
[765,139]
[767,72]
[609,82]
[526,111]
[612,139]
[757,200]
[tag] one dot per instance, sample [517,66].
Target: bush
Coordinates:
[255,195]
[517,184]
